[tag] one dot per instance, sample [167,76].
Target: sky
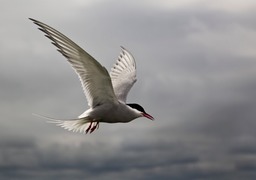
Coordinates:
[196,70]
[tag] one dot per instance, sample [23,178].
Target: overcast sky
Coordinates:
[196,62]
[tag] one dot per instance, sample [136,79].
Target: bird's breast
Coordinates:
[112,113]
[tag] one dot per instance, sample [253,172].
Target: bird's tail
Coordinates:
[75,125]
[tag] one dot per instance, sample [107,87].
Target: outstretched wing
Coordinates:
[94,77]
[123,74]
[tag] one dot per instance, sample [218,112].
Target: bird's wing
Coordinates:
[123,74]
[95,79]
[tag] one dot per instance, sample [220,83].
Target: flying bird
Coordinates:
[106,93]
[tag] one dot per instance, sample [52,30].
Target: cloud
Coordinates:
[219,5]
[196,76]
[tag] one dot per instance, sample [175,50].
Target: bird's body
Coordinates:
[106,93]
[111,113]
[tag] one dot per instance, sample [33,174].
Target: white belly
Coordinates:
[111,113]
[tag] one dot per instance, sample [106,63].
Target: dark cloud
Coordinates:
[196,76]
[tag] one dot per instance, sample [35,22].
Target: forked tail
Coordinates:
[75,125]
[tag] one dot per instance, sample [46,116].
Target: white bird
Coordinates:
[106,94]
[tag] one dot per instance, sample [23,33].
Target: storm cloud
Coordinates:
[196,65]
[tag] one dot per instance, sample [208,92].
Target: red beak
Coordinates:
[148,116]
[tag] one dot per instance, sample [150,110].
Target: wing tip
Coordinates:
[34,20]
[122,47]
[127,52]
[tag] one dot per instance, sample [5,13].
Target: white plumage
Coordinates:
[106,94]
[123,74]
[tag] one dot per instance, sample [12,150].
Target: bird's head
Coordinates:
[141,111]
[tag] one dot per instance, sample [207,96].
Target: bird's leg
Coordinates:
[89,127]
[95,126]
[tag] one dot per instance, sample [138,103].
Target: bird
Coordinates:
[106,93]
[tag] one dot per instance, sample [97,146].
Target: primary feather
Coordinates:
[84,65]
[123,74]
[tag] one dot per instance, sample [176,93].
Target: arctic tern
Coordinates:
[106,93]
